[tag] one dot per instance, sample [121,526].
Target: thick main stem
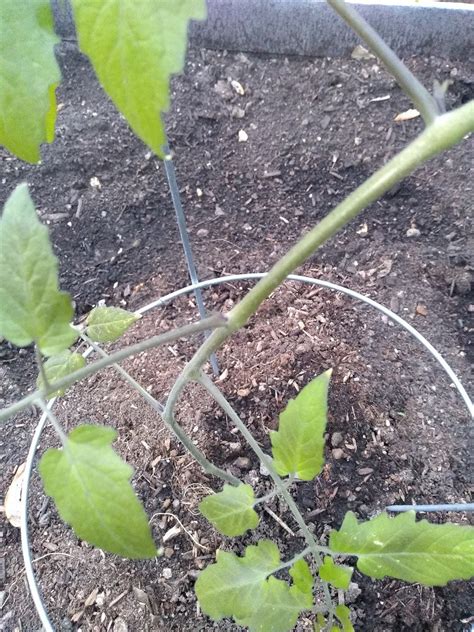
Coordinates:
[424,101]
[446,131]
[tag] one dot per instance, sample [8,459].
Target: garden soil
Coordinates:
[264,148]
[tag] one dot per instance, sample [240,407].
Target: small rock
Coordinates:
[363,471]
[243,136]
[242,462]
[352,592]
[202,232]
[463,282]
[263,470]
[168,552]
[120,625]
[413,232]
[337,454]
[234,446]
[237,112]
[167,573]
[219,212]
[421,309]
[336,439]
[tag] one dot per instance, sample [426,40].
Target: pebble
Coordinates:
[120,625]
[336,439]
[337,453]
[352,592]
[168,552]
[202,232]
[413,232]
[242,462]
[167,573]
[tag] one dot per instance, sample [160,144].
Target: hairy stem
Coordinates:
[212,389]
[445,131]
[214,321]
[171,423]
[424,101]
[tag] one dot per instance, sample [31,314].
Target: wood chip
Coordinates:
[90,601]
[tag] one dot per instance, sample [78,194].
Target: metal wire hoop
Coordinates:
[25,545]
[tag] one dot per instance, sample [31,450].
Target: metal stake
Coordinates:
[188,253]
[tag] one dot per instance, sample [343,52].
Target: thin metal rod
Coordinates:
[25,540]
[432,508]
[164,301]
[188,253]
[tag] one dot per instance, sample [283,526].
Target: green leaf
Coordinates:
[302,577]
[320,623]
[400,547]
[29,75]
[134,48]
[278,609]
[106,324]
[238,587]
[59,366]
[344,615]
[298,445]
[90,485]
[32,309]
[231,510]
[337,575]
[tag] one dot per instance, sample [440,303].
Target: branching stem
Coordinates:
[216,394]
[170,423]
[213,322]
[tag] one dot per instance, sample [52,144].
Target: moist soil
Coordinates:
[397,430]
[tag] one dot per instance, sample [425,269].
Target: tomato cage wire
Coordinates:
[34,588]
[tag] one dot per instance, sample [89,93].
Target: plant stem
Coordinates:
[298,556]
[443,133]
[53,420]
[212,389]
[263,499]
[171,424]
[424,101]
[40,363]
[214,321]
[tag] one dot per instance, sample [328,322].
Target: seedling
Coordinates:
[134,46]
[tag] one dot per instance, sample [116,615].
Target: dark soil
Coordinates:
[397,433]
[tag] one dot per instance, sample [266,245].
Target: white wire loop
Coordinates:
[35,592]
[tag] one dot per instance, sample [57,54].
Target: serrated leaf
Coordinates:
[400,547]
[135,47]
[29,75]
[231,510]
[337,575]
[302,577]
[278,609]
[298,445]
[238,587]
[344,615]
[59,366]
[106,324]
[90,485]
[229,587]
[32,309]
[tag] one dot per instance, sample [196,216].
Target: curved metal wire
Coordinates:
[35,592]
